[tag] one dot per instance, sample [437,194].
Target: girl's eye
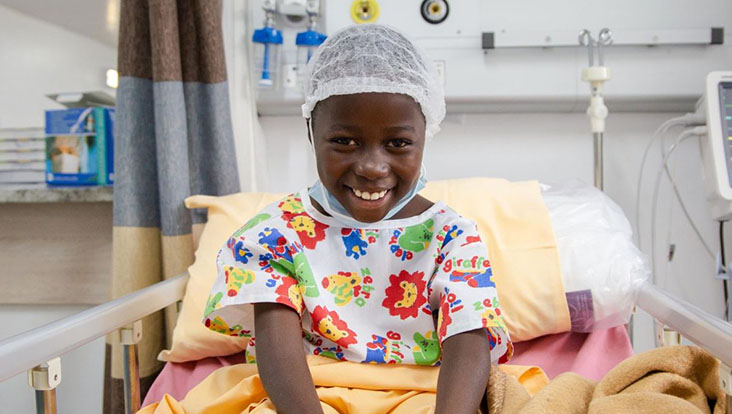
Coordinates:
[398,143]
[344,141]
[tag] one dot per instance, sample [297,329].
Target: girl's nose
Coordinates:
[372,166]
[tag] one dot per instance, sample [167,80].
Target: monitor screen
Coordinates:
[725,111]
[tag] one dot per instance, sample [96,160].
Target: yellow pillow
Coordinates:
[513,222]
[191,339]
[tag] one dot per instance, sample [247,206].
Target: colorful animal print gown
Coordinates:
[387,294]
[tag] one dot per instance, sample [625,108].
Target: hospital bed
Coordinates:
[38,351]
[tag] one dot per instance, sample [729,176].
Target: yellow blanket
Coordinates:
[343,387]
[664,380]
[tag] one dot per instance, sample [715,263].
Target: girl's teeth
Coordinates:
[369,196]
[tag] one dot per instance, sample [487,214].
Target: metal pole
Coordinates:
[129,337]
[44,379]
[703,329]
[131,378]
[46,401]
[729,301]
[598,150]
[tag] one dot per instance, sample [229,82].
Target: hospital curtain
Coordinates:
[173,139]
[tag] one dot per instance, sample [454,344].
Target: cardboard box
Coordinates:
[80,146]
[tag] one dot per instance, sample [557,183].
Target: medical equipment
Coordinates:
[687,134]
[717,146]
[723,273]
[712,123]
[268,41]
[717,157]
[716,151]
[596,75]
[627,37]
[687,120]
[365,11]
[310,39]
[515,43]
[434,11]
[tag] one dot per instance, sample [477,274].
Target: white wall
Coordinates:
[554,148]
[39,59]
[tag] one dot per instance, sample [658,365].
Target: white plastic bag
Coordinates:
[601,267]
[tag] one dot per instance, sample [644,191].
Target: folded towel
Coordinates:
[665,380]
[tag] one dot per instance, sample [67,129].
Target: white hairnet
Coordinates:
[374,58]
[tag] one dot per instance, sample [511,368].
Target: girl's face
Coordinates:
[368,149]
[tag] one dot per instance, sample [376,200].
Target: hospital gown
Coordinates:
[388,294]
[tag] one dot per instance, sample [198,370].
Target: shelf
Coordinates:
[44,194]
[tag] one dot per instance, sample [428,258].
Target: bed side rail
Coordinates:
[702,328]
[37,350]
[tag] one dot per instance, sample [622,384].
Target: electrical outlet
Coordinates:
[290,78]
[440,66]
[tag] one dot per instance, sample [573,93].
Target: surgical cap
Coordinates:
[374,58]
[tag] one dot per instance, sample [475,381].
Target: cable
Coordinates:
[686,212]
[689,119]
[701,131]
[657,183]
[656,134]
[666,250]
[724,266]
[689,133]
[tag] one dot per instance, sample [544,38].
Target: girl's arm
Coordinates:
[281,360]
[464,372]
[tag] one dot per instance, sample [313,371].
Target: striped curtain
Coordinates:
[173,139]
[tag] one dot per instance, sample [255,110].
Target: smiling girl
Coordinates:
[359,267]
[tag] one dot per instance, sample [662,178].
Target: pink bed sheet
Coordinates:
[591,355]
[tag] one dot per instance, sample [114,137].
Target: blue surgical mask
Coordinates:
[333,207]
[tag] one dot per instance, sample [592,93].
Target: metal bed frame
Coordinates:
[38,351]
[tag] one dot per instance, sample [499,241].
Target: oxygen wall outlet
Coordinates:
[290,78]
[440,68]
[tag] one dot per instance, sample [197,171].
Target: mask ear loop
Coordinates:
[318,184]
[311,136]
